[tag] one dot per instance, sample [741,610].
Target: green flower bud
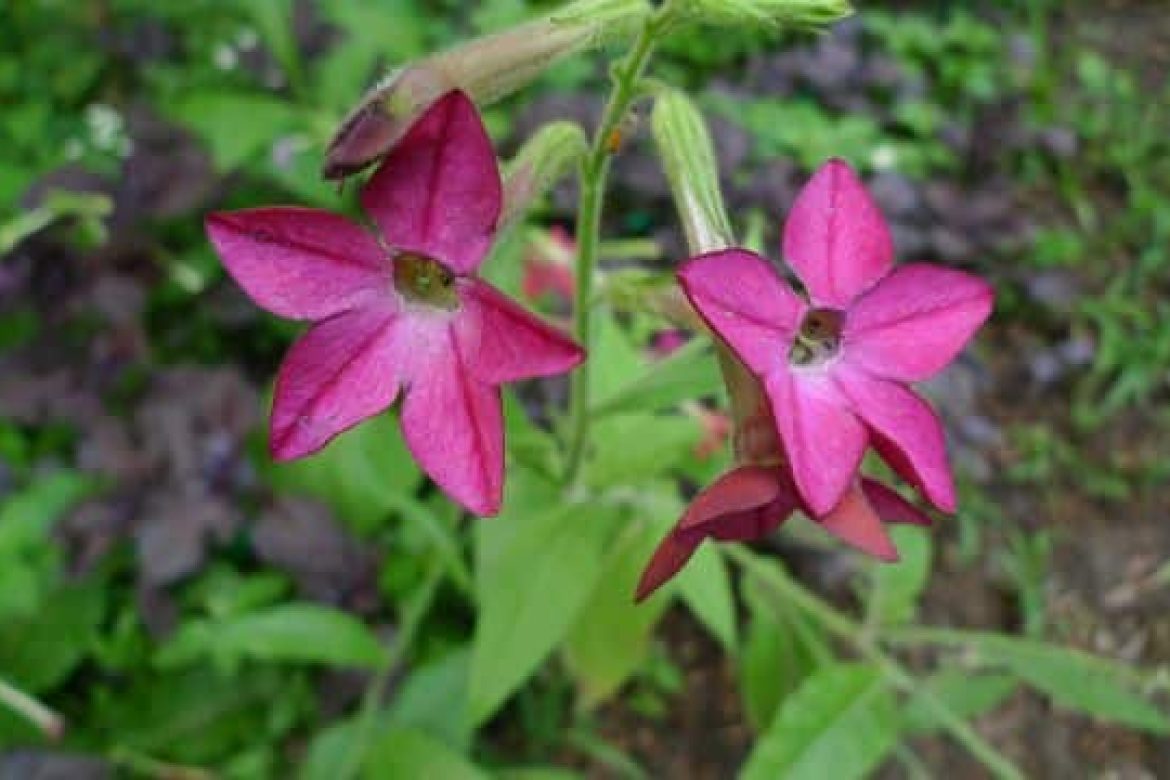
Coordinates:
[551,154]
[689,159]
[486,68]
[795,13]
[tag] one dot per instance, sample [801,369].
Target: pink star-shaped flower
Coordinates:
[401,311]
[835,367]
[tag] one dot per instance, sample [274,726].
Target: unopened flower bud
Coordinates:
[551,154]
[486,68]
[795,13]
[689,159]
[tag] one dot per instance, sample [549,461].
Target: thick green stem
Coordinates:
[594,175]
[850,631]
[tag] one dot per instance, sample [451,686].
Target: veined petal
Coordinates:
[501,342]
[915,321]
[438,192]
[341,371]
[905,431]
[891,507]
[299,263]
[454,427]
[822,438]
[746,302]
[855,522]
[836,239]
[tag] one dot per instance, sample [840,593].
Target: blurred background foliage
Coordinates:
[192,610]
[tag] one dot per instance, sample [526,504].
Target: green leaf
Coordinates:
[237,126]
[401,753]
[689,373]
[537,566]
[705,587]
[839,724]
[1074,679]
[290,633]
[364,474]
[614,359]
[775,659]
[967,694]
[27,517]
[430,697]
[896,587]
[633,448]
[40,651]
[611,636]
[196,715]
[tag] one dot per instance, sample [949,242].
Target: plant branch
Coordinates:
[627,75]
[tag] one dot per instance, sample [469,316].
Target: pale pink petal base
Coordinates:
[746,302]
[300,263]
[916,321]
[454,428]
[501,342]
[823,440]
[341,371]
[836,238]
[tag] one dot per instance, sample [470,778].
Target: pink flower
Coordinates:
[835,368]
[755,498]
[401,311]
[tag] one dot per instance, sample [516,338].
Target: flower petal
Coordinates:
[341,371]
[905,431]
[744,504]
[501,342]
[454,427]
[891,507]
[668,559]
[438,192]
[836,239]
[746,302]
[915,321]
[738,491]
[822,438]
[855,522]
[299,263]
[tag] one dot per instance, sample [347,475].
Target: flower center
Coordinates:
[818,338]
[421,279]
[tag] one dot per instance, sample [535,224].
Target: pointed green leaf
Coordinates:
[538,565]
[839,724]
[896,587]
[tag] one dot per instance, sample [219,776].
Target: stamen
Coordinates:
[421,279]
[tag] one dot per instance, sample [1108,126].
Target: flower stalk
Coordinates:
[627,76]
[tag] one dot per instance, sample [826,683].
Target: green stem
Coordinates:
[850,631]
[376,692]
[627,75]
[142,765]
[49,722]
